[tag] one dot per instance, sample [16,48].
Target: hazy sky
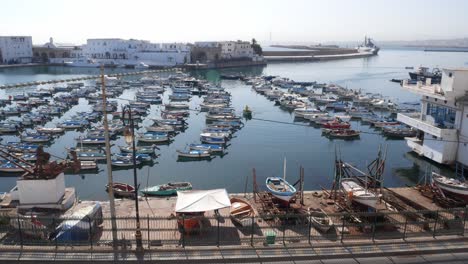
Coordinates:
[197,20]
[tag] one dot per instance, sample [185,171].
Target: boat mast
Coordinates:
[284,169]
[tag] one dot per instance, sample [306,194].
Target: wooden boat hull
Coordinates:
[242,212]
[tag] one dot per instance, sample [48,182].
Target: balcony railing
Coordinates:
[433,90]
[423,124]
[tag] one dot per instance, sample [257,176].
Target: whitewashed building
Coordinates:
[15,49]
[236,49]
[443,121]
[132,52]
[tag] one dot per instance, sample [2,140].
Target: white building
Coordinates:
[132,52]
[443,120]
[15,49]
[236,49]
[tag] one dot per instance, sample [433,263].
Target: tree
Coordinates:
[256,47]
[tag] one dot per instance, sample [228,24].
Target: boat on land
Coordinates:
[321,220]
[194,154]
[280,189]
[30,226]
[122,190]
[451,186]
[242,212]
[357,193]
[168,189]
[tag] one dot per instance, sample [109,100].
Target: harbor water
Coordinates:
[268,138]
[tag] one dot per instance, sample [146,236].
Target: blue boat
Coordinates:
[280,189]
[207,147]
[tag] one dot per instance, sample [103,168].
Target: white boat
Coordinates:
[88,165]
[302,112]
[50,130]
[153,138]
[321,220]
[84,63]
[194,154]
[356,193]
[280,188]
[141,66]
[343,118]
[124,163]
[451,186]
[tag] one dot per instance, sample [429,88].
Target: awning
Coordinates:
[201,201]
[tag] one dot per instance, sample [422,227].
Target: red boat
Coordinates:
[336,125]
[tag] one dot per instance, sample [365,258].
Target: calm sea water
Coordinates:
[261,145]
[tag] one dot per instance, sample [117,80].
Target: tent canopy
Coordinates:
[201,201]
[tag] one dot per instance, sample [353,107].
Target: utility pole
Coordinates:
[110,181]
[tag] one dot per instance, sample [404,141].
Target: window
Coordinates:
[443,116]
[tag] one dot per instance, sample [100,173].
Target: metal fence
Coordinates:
[221,230]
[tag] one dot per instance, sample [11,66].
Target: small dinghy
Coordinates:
[168,189]
[241,212]
[122,190]
[138,150]
[194,154]
[129,156]
[50,130]
[124,163]
[280,188]
[207,147]
[153,137]
[320,220]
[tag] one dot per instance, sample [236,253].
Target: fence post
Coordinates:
[342,227]
[148,226]
[284,231]
[373,227]
[55,240]
[464,220]
[310,226]
[252,231]
[90,233]
[183,231]
[404,231]
[217,239]
[435,224]
[20,231]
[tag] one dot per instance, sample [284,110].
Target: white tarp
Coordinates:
[201,201]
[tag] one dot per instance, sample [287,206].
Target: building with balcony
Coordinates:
[442,123]
[15,49]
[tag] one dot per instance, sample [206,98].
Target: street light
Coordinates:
[129,135]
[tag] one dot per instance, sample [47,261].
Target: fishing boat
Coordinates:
[88,165]
[399,131]
[129,156]
[50,130]
[320,220]
[343,118]
[13,168]
[335,124]
[138,149]
[176,106]
[122,190]
[22,147]
[92,140]
[207,147]
[280,189]
[124,162]
[213,138]
[341,133]
[35,138]
[168,189]
[302,112]
[153,137]
[247,113]
[356,193]
[194,154]
[242,212]
[69,124]
[451,186]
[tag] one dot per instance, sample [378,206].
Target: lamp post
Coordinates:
[129,135]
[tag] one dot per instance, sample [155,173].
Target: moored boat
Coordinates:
[168,189]
[194,154]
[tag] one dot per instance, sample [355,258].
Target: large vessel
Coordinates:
[422,73]
[368,46]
